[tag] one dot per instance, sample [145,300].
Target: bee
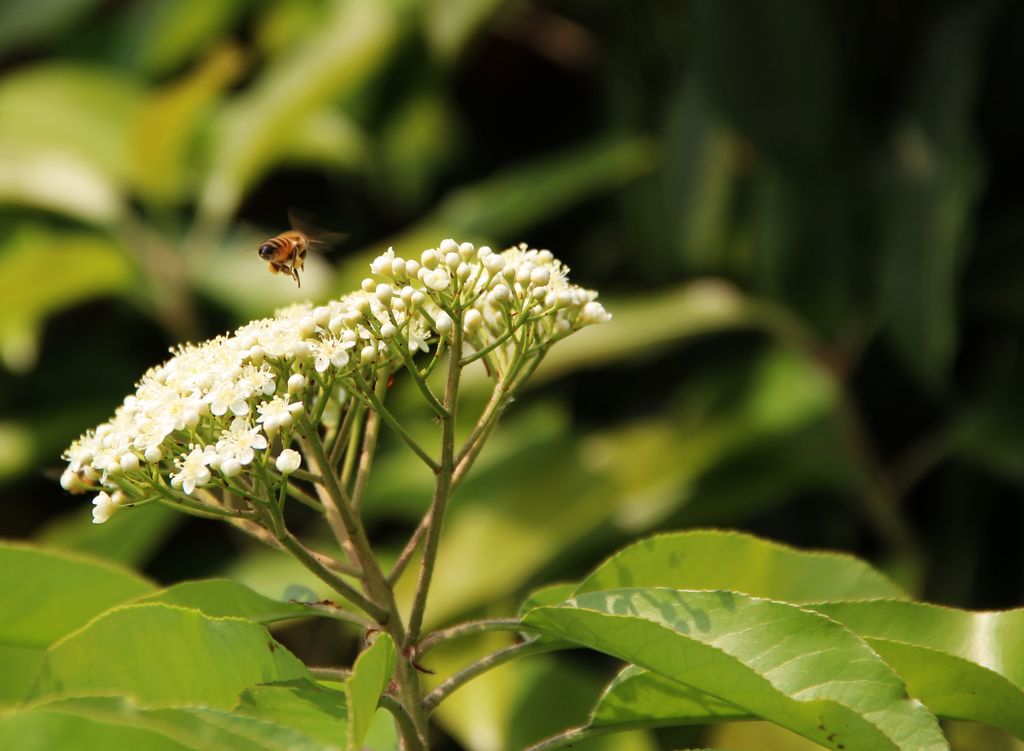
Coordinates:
[286,253]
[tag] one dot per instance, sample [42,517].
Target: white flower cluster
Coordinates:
[217,409]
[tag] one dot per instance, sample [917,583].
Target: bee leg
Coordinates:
[295,276]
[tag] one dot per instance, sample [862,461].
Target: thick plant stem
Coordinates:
[336,583]
[369,447]
[442,484]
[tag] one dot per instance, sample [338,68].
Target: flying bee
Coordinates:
[286,252]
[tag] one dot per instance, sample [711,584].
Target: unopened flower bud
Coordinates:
[387,330]
[129,461]
[429,259]
[444,323]
[368,285]
[448,245]
[452,260]
[296,382]
[384,293]
[288,461]
[230,467]
[368,355]
[473,319]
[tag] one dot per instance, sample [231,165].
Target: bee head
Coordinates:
[266,251]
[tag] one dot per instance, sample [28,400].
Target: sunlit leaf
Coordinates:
[46,594]
[371,674]
[448,26]
[164,656]
[772,660]
[223,597]
[711,559]
[961,664]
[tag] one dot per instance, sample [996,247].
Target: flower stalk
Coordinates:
[229,428]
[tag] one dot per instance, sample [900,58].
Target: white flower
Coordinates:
[288,461]
[105,506]
[277,413]
[192,470]
[443,323]
[332,351]
[437,279]
[240,442]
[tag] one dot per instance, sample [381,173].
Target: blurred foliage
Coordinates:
[805,217]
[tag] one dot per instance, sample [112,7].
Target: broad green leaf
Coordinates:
[772,660]
[382,734]
[46,729]
[44,595]
[314,710]
[223,597]
[336,58]
[371,674]
[641,697]
[275,717]
[713,559]
[550,594]
[164,656]
[77,266]
[964,665]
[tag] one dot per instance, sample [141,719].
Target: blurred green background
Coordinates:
[806,217]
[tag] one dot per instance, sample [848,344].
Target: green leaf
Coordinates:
[164,656]
[77,266]
[961,664]
[712,559]
[639,697]
[316,711]
[346,48]
[275,717]
[223,597]
[45,729]
[44,595]
[772,660]
[370,676]
[550,594]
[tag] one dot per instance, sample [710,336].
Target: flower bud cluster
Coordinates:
[224,414]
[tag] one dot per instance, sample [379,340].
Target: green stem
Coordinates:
[412,740]
[369,447]
[379,408]
[536,647]
[437,638]
[409,550]
[335,582]
[442,483]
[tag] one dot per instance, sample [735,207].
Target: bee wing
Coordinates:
[317,235]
